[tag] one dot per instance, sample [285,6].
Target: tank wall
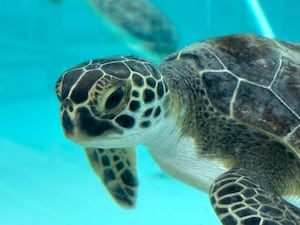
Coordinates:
[46,178]
[40,39]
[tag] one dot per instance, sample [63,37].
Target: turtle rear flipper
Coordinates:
[238,200]
[117,170]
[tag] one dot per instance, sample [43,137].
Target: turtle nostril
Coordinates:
[71,108]
[67,105]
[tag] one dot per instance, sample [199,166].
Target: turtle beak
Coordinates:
[67,123]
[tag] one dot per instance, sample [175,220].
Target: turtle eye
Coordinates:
[115,98]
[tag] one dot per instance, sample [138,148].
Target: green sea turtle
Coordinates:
[222,115]
[141,25]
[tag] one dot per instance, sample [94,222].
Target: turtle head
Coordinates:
[111,102]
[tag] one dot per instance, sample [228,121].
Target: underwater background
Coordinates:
[46,179]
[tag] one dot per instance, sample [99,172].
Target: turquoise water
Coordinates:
[45,178]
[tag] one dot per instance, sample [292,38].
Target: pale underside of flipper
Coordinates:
[238,200]
[117,171]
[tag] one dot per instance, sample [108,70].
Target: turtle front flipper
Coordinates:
[117,170]
[238,200]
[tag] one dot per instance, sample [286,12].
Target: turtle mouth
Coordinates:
[94,127]
[82,126]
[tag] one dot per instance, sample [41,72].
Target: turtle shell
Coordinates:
[252,79]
